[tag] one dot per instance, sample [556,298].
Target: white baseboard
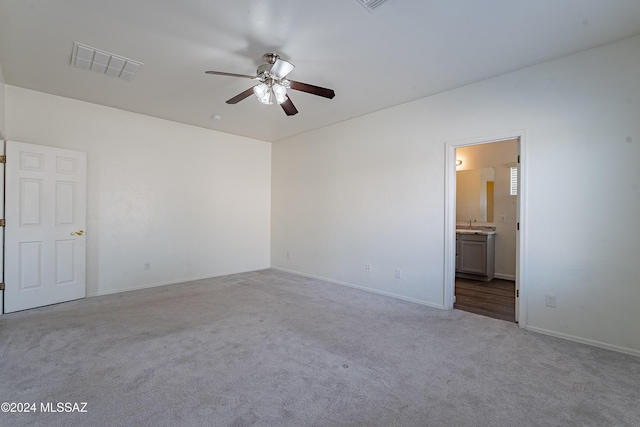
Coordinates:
[585,341]
[362,288]
[511,277]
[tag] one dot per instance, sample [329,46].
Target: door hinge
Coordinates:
[518,226]
[1,286]
[2,223]
[518,158]
[517,293]
[3,159]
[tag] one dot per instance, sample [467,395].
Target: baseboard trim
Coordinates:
[362,288]
[171,282]
[594,343]
[505,276]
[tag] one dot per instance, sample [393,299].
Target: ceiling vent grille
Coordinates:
[99,61]
[371,4]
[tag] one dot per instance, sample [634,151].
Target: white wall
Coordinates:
[193,202]
[371,190]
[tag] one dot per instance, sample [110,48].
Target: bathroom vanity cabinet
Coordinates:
[475,255]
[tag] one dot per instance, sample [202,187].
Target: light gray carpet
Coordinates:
[273,349]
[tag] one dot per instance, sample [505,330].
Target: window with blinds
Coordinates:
[514,180]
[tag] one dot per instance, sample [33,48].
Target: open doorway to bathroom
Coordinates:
[484,216]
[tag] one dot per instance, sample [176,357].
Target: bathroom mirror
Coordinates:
[474,195]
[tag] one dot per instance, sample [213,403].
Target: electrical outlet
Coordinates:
[550,300]
[288,255]
[147,266]
[367,268]
[398,274]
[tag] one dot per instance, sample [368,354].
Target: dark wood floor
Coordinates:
[495,298]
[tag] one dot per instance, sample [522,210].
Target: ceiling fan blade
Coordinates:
[222,73]
[241,96]
[288,107]
[281,68]
[315,90]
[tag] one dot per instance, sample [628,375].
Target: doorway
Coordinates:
[501,214]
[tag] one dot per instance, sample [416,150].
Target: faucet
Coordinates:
[470,224]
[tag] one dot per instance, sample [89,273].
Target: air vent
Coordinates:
[99,61]
[371,4]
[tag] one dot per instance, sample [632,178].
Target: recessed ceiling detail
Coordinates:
[99,61]
[371,4]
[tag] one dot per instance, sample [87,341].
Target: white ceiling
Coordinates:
[403,50]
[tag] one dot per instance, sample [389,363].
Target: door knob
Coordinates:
[77,233]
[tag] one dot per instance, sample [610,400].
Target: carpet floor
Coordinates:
[269,348]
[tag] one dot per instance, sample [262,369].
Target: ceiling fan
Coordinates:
[274,84]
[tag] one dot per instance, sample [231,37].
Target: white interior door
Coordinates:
[45,213]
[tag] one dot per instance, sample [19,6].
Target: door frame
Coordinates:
[450,217]
[3,144]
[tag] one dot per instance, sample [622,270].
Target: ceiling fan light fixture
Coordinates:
[263,93]
[270,94]
[281,68]
[280,93]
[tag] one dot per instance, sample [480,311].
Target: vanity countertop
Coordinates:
[482,232]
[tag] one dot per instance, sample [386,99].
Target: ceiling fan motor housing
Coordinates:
[271,58]
[263,69]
